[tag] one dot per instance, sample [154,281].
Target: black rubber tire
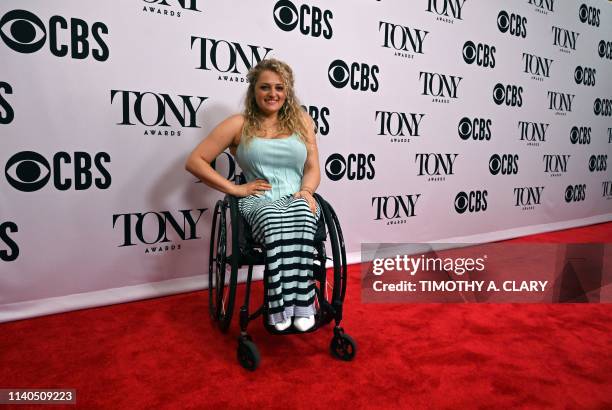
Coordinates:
[340,245]
[212,263]
[332,287]
[343,347]
[248,355]
[231,228]
[222,267]
[334,244]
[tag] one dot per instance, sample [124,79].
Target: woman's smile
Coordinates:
[270,92]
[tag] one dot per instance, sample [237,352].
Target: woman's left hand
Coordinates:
[307,196]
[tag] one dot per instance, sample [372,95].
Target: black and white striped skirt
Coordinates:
[286,227]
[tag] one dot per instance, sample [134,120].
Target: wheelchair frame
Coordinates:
[243,251]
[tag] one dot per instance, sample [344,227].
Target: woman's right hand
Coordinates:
[256,187]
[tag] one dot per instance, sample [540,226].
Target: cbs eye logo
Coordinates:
[27,171]
[286,15]
[339,74]
[355,167]
[24,32]
[469,52]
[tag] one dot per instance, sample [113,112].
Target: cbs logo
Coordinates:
[311,19]
[585,75]
[355,167]
[603,107]
[24,32]
[575,193]
[506,164]
[580,135]
[598,163]
[481,54]
[510,95]
[29,171]
[473,201]
[359,76]
[589,15]
[477,129]
[512,23]
[604,49]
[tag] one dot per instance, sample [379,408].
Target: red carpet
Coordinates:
[164,354]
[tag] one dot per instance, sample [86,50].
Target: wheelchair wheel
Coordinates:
[222,267]
[212,264]
[342,250]
[333,285]
[248,355]
[343,347]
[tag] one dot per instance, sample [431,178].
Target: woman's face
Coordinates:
[269,92]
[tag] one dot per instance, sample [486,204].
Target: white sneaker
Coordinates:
[280,326]
[304,323]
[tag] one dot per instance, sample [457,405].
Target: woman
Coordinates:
[274,143]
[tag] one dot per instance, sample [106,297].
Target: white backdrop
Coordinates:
[100,103]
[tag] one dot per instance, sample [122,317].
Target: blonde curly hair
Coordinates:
[290,115]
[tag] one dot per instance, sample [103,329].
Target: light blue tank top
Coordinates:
[280,161]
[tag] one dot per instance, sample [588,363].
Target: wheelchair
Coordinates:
[232,246]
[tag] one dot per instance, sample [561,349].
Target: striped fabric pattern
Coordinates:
[286,227]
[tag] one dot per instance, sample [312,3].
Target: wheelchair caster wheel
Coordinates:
[248,355]
[343,347]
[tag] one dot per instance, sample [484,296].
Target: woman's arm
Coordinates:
[312,173]
[198,162]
